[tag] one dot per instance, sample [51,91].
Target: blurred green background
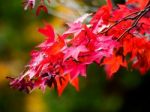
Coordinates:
[128,91]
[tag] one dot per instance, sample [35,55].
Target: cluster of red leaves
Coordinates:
[31,4]
[112,38]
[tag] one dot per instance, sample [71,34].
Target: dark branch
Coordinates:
[135,16]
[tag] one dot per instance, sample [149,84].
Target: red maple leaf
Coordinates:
[140,3]
[113,63]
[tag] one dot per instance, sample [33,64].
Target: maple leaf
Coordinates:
[100,26]
[74,68]
[142,63]
[140,54]
[113,63]
[139,3]
[109,3]
[75,83]
[78,69]
[57,46]
[102,13]
[62,82]
[48,31]
[76,26]
[135,46]
[40,8]
[74,51]
[80,39]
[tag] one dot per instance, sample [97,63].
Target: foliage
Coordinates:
[116,35]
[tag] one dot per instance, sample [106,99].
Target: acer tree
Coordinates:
[115,36]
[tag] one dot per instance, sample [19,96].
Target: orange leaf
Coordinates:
[57,46]
[62,83]
[75,83]
[113,63]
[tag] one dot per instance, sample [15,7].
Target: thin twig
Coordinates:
[139,16]
[136,16]
[124,19]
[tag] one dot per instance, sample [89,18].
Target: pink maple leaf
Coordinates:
[76,26]
[74,51]
[74,69]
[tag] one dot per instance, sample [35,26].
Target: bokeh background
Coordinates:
[127,91]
